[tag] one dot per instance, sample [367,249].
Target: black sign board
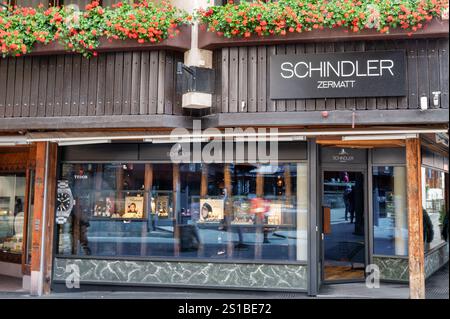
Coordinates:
[333,75]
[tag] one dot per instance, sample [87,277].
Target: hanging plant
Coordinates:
[287,16]
[80,31]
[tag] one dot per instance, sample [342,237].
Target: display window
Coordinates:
[434,207]
[12,216]
[188,211]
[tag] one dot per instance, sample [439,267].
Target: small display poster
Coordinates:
[104,207]
[211,210]
[134,207]
[162,206]
[274,213]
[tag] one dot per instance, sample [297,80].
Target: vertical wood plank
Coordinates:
[217,65]
[43,75]
[153,83]
[243,79]
[59,86]
[76,76]
[34,87]
[84,87]
[145,90]
[271,104]
[135,82]
[17,109]
[252,81]
[10,87]
[169,84]
[3,85]
[225,77]
[422,70]
[433,69]
[415,220]
[443,78]
[92,90]
[262,79]
[118,83]
[234,80]
[101,85]
[178,109]
[127,78]
[161,81]
[402,101]
[51,79]
[26,92]
[109,91]
[413,88]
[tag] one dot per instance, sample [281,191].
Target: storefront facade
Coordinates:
[357,121]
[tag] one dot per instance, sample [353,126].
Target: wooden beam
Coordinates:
[359,144]
[415,220]
[50,216]
[43,218]
[204,181]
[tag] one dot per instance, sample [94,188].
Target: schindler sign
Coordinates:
[347,74]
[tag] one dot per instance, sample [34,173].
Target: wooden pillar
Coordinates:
[148,185]
[204,181]
[228,207]
[175,207]
[415,220]
[43,218]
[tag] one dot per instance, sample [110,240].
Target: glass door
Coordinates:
[343,226]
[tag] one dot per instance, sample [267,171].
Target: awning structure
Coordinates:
[325,137]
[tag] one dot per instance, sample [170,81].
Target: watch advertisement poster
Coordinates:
[211,210]
[134,207]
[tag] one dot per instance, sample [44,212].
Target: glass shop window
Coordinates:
[187,211]
[390,219]
[434,205]
[12,205]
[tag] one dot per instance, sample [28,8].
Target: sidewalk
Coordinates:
[437,287]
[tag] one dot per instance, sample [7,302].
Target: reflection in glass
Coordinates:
[343,218]
[389,211]
[433,202]
[191,210]
[12,205]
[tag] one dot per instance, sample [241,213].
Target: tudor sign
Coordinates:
[346,74]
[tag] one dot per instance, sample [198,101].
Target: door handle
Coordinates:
[323,236]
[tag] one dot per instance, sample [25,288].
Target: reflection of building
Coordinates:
[103,125]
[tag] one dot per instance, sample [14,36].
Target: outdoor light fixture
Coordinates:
[424,103]
[436,97]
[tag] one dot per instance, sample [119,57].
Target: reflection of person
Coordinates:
[428,232]
[18,208]
[445,227]
[349,201]
[346,178]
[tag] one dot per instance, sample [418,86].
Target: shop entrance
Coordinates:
[343,220]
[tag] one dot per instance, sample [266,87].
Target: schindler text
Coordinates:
[342,69]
